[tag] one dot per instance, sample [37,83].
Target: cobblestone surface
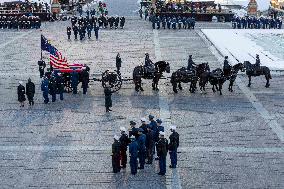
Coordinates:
[225,142]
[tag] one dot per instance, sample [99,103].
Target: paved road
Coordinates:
[227,141]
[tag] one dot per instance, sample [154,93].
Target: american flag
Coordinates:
[58,62]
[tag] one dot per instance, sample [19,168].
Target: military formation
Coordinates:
[20,22]
[256,23]
[143,143]
[172,22]
[85,25]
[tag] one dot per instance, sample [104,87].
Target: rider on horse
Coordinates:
[226,67]
[257,64]
[149,66]
[190,63]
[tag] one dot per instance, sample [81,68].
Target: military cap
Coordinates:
[151,117]
[173,127]
[159,121]
[226,57]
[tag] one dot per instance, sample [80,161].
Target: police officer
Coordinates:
[116,154]
[30,91]
[150,143]
[41,66]
[60,85]
[45,90]
[124,141]
[68,32]
[74,77]
[118,63]
[173,145]
[162,150]
[141,148]
[133,153]
[190,63]
[226,67]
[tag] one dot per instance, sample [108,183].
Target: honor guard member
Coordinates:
[45,90]
[118,63]
[190,63]
[124,142]
[30,91]
[146,14]
[97,32]
[226,67]
[41,66]
[60,85]
[174,23]
[160,127]
[68,32]
[153,20]
[89,29]
[116,22]
[158,21]
[133,153]
[141,148]
[52,88]
[133,131]
[75,31]
[122,22]
[74,77]
[257,64]
[162,151]
[150,144]
[169,23]
[116,154]
[153,123]
[85,80]
[173,146]
[21,94]
[141,13]
[149,65]
[179,22]
[164,22]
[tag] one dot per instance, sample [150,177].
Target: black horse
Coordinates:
[139,73]
[217,79]
[252,70]
[233,74]
[183,75]
[202,71]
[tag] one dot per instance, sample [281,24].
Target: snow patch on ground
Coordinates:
[242,45]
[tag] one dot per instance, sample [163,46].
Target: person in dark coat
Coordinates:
[158,129]
[118,63]
[190,63]
[74,77]
[226,67]
[75,31]
[173,145]
[89,30]
[133,153]
[85,80]
[45,90]
[150,143]
[68,32]
[108,101]
[41,66]
[144,125]
[141,148]
[124,142]
[21,94]
[97,32]
[116,154]
[162,150]
[116,22]
[30,91]
[60,85]
[133,131]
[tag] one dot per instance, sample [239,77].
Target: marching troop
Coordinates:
[256,23]
[22,22]
[143,143]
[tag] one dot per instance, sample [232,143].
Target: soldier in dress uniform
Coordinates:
[226,67]
[45,89]
[68,32]
[75,31]
[133,153]
[124,142]
[173,146]
[122,22]
[162,150]
[116,22]
[116,154]
[60,85]
[118,63]
[41,66]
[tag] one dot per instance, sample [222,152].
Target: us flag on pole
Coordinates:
[58,62]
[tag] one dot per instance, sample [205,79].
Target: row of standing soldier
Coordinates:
[256,23]
[143,143]
[172,22]
[20,22]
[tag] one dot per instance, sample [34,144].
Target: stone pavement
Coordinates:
[226,141]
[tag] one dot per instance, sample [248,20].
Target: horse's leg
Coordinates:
[267,81]
[231,85]
[179,86]
[174,84]
[213,88]
[249,80]
[220,88]
[140,85]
